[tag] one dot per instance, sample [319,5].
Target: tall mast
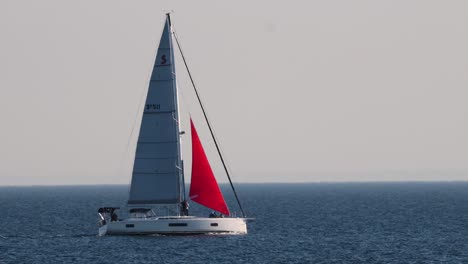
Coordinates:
[183,207]
[209,125]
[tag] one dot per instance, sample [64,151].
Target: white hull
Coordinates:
[175,226]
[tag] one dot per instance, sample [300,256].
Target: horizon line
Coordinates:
[247,183]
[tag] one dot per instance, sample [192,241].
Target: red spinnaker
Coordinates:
[204,189]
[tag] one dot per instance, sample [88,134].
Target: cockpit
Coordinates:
[108,214]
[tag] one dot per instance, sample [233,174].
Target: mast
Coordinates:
[181,168]
[183,208]
[209,125]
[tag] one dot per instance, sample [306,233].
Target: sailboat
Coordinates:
[157,201]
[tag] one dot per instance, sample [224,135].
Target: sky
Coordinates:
[297,91]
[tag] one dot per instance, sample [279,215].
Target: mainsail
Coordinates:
[157,171]
[204,189]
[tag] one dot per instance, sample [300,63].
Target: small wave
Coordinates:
[47,236]
[85,235]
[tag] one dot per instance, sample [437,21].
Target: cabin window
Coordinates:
[177,224]
[129,225]
[214,224]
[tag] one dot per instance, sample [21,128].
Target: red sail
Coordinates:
[204,189]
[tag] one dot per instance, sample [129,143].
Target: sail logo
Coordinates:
[163,59]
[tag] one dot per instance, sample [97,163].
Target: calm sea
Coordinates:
[295,223]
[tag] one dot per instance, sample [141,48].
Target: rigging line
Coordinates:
[208,123]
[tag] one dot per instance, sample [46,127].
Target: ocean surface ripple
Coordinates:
[295,223]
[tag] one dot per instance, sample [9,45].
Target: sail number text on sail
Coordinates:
[152,107]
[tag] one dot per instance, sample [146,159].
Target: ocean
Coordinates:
[295,223]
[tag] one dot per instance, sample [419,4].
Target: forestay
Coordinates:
[157,169]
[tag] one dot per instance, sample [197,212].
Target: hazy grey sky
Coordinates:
[296,90]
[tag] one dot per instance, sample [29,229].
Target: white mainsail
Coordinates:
[157,171]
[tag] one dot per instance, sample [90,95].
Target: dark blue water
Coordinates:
[296,223]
